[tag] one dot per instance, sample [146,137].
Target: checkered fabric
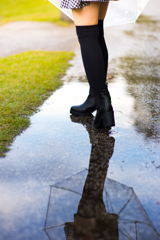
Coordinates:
[70,4]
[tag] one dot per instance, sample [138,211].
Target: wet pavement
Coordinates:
[23,36]
[62,179]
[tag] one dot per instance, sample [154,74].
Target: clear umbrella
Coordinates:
[119,12]
[90,206]
[120,201]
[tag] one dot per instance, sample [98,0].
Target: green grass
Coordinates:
[26,80]
[30,10]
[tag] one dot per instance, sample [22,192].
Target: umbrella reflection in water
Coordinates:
[107,210]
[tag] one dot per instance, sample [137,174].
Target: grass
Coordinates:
[37,10]
[26,80]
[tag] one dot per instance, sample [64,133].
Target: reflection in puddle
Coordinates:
[90,206]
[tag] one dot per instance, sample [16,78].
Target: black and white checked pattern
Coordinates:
[70,4]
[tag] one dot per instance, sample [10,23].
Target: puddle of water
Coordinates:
[57,146]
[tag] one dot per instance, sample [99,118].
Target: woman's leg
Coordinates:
[101,39]
[88,106]
[87,15]
[86,21]
[103,10]
[94,14]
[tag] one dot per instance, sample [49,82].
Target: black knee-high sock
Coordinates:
[103,46]
[92,57]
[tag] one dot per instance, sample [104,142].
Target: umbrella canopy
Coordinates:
[90,206]
[119,12]
[120,201]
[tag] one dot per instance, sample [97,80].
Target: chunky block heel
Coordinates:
[108,119]
[105,114]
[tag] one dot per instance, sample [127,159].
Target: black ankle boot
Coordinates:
[105,115]
[86,108]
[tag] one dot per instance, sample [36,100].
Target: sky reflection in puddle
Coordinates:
[57,146]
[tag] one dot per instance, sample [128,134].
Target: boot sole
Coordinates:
[81,114]
[106,120]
